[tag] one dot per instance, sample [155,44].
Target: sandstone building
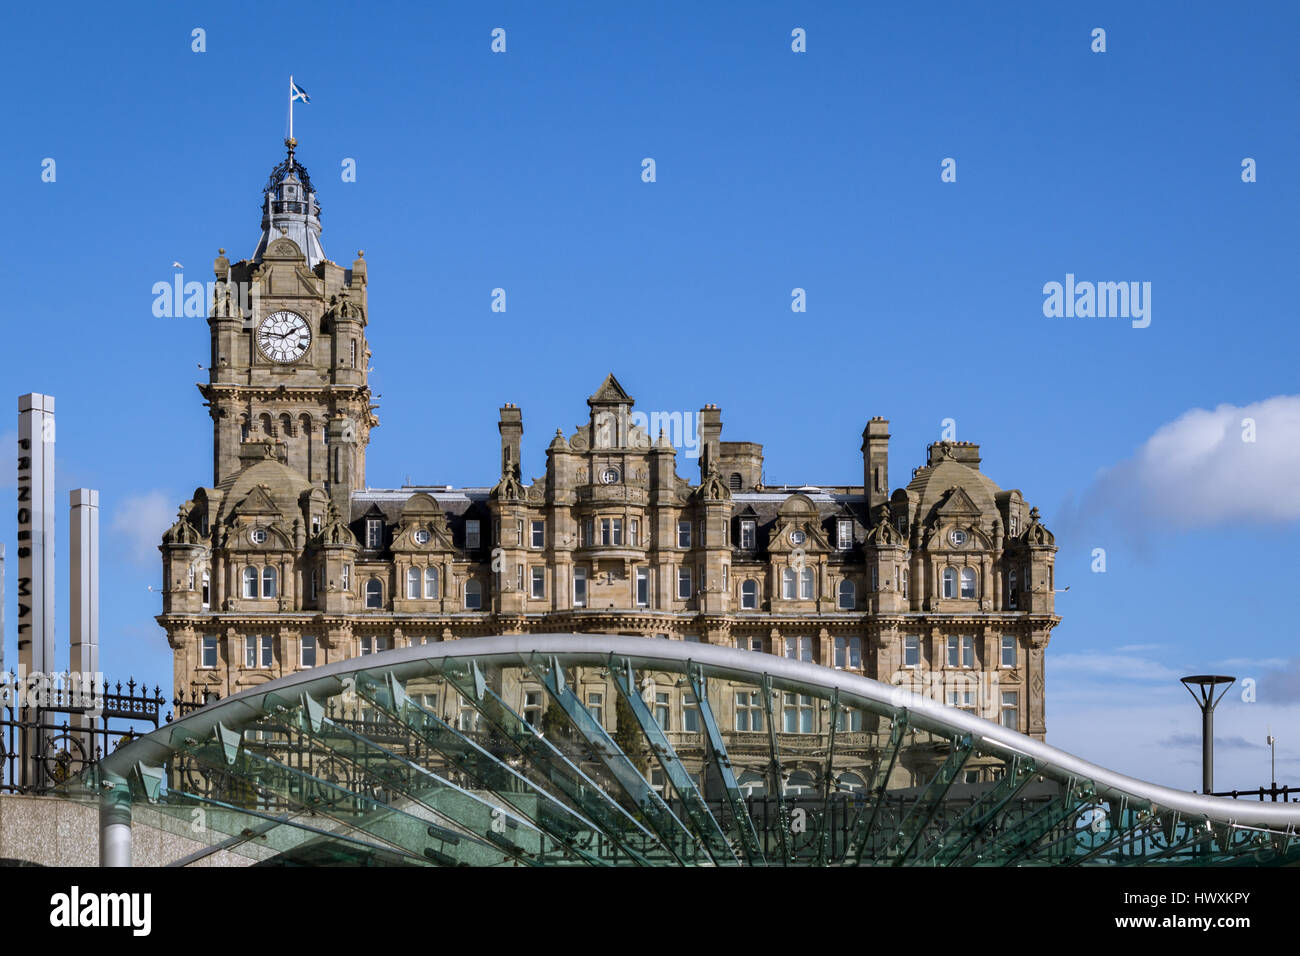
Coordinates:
[289,559]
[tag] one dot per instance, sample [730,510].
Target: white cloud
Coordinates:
[1112,666]
[1198,471]
[138,524]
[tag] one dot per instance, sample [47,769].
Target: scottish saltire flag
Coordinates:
[296,92]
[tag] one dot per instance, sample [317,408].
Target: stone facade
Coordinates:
[289,559]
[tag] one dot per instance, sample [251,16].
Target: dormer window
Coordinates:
[844,534]
[472,534]
[748,533]
[374,533]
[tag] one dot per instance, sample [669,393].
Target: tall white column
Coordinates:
[83,630]
[35,626]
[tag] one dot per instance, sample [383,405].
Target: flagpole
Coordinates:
[291,106]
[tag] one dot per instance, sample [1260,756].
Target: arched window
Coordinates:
[752,784]
[806,584]
[749,595]
[904,580]
[848,599]
[473,595]
[264,421]
[949,582]
[1012,592]
[374,593]
[250,582]
[268,582]
[800,784]
[412,582]
[286,426]
[851,783]
[788,584]
[431,582]
[968,583]
[735,482]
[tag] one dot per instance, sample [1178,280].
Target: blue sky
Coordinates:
[775,170]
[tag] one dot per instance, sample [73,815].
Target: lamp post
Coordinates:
[1205,685]
[1272,759]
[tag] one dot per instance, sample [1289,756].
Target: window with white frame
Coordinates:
[690,713]
[307,655]
[473,534]
[749,711]
[962,696]
[538,582]
[347,577]
[1011,709]
[268,582]
[642,587]
[799,784]
[748,534]
[806,584]
[1008,650]
[683,583]
[797,714]
[374,593]
[538,532]
[579,587]
[473,595]
[616,533]
[968,583]
[848,652]
[374,533]
[466,716]
[412,582]
[788,584]
[844,534]
[683,534]
[533,708]
[849,720]
[250,582]
[258,650]
[663,710]
[950,582]
[961,651]
[903,579]
[750,643]
[519,577]
[748,595]
[596,706]
[431,583]
[1012,591]
[634,533]
[519,532]
[209,652]
[725,581]
[206,584]
[799,648]
[912,651]
[589,532]
[848,596]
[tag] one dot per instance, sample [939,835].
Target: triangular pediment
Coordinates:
[958,503]
[610,393]
[257,502]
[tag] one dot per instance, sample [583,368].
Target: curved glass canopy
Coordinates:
[596,750]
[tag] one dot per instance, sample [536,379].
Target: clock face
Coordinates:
[284,337]
[609,476]
[798,537]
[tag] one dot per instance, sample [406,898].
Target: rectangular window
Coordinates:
[617,535]
[533,707]
[374,533]
[1011,709]
[588,532]
[207,589]
[663,710]
[209,658]
[748,534]
[954,653]
[634,533]
[604,532]
[579,587]
[683,583]
[725,584]
[690,714]
[1008,650]
[749,712]
[347,577]
[962,697]
[519,532]
[904,586]
[258,651]
[968,651]
[642,587]
[539,534]
[798,648]
[848,720]
[539,582]
[473,531]
[596,706]
[912,651]
[797,713]
[683,534]
[848,652]
[844,534]
[750,643]
[308,656]
[250,651]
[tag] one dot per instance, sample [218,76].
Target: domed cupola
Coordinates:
[289,208]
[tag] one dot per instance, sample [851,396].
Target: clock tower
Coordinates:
[287,376]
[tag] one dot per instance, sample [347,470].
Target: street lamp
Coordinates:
[1204,696]
[1272,758]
